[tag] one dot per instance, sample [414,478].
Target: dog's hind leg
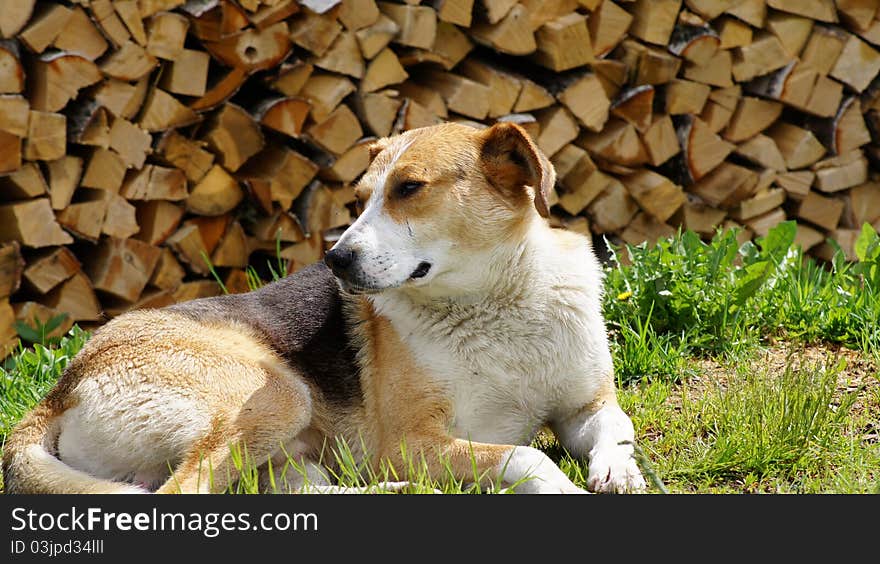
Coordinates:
[251,426]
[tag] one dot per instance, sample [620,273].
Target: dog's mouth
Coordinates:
[421,271]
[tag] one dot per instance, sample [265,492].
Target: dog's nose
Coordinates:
[339,260]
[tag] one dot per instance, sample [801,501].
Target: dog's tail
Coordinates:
[30,468]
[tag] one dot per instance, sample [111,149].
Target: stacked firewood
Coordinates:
[147,146]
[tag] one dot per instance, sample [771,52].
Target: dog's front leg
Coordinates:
[602,432]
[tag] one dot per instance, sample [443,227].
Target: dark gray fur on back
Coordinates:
[302,317]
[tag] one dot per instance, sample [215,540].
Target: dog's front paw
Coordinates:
[614,470]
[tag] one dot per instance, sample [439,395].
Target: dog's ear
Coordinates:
[377,147]
[511,161]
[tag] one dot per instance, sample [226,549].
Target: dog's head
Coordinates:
[438,202]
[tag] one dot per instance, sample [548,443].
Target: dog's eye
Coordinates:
[408,187]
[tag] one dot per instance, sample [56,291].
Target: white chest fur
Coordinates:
[514,360]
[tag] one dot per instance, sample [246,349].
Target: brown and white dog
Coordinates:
[458,323]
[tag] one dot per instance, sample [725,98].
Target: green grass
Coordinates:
[715,348]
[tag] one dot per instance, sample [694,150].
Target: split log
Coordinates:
[31,223]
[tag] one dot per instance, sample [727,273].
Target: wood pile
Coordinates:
[139,138]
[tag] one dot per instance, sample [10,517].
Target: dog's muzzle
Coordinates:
[340,260]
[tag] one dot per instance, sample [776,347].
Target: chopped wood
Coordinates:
[50,268]
[761,203]
[106,17]
[512,35]
[217,93]
[215,194]
[80,35]
[654,20]
[75,297]
[823,48]
[377,112]
[384,70]
[696,44]
[234,135]
[343,56]
[796,183]
[44,26]
[655,193]
[586,100]
[820,210]
[155,182]
[187,244]
[608,26]
[188,74]
[558,128]
[857,64]
[85,218]
[325,92]
[338,132]
[212,129]
[720,186]
[233,249]
[167,274]
[762,224]
[120,218]
[822,10]
[792,84]
[349,166]
[162,111]
[12,77]
[292,77]
[46,137]
[716,72]
[462,95]
[31,223]
[26,182]
[252,50]
[104,170]
[685,97]
[798,146]
[418,24]
[157,220]
[188,155]
[733,33]
[765,54]
[128,12]
[504,88]
[618,144]
[752,116]
[375,37]
[456,12]
[762,151]
[661,141]
[11,267]
[793,31]
[635,106]
[130,62]
[863,205]
[699,217]
[122,267]
[702,150]
[14,17]
[613,209]
[285,172]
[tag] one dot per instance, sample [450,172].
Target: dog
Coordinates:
[449,319]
